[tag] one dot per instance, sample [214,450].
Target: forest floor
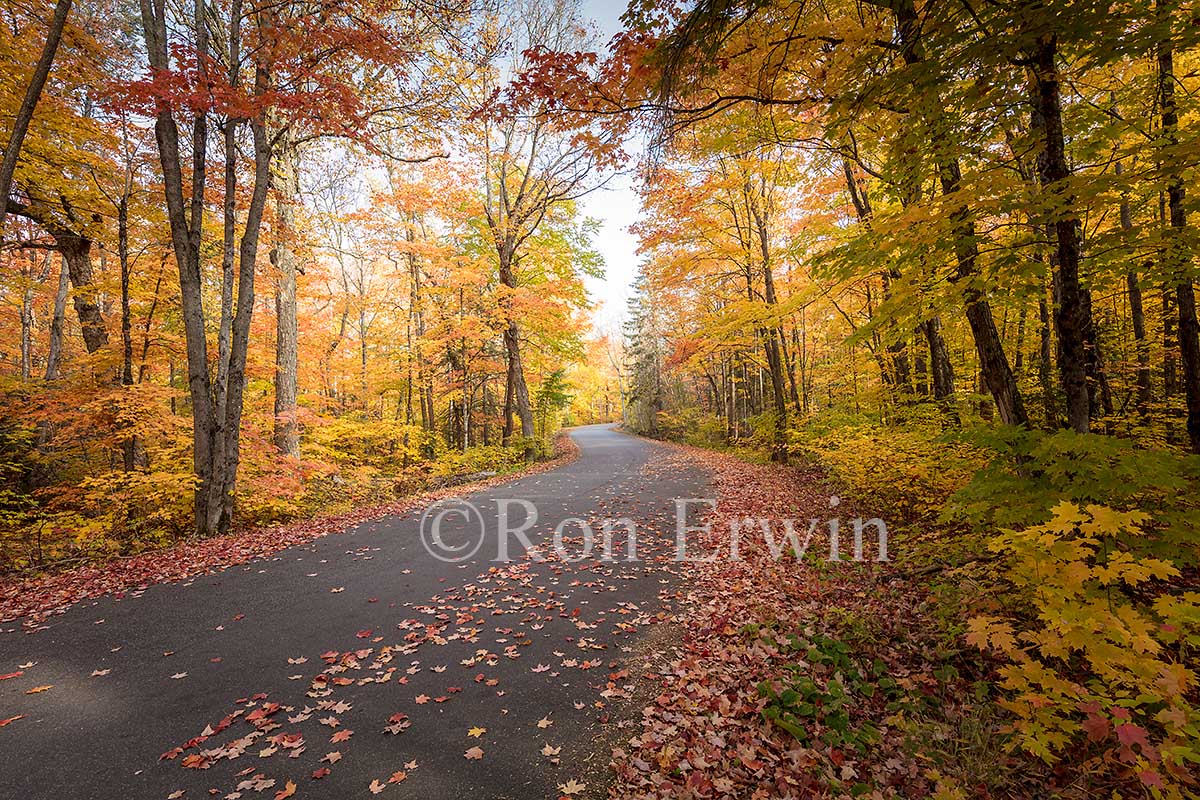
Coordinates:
[360,664]
[803,677]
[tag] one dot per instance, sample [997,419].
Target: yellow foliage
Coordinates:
[1093,658]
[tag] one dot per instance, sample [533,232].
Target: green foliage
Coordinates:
[551,400]
[1029,472]
[818,698]
[552,395]
[1095,634]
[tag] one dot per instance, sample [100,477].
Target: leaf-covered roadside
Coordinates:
[809,678]
[42,596]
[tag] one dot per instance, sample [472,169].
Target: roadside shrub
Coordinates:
[1029,472]
[112,513]
[270,486]
[908,472]
[490,458]
[1097,648]
[384,444]
[692,426]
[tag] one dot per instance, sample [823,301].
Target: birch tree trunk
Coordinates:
[287,432]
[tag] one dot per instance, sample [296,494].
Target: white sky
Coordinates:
[616,206]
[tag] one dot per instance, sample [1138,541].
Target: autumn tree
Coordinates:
[533,162]
[33,93]
[291,68]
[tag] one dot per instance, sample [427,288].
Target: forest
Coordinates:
[269,261]
[302,272]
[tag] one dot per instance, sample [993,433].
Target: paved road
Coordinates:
[360,632]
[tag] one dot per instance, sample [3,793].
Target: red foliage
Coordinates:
[704,735]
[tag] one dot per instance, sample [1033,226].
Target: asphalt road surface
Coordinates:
[366,646]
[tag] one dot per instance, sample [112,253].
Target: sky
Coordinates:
[616,207]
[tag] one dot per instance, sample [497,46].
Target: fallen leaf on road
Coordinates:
[474,754]
[287,791]
[551,751]
[17,674]
[376,787]
[545,722]
[572,787]
[40,689]
[476,732]
[397,776]
[341,736]
[100,673]
[10,720]
[178,675]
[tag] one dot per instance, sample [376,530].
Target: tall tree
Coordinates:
[1177,258]
[33,93]
[533,163]
[283,259]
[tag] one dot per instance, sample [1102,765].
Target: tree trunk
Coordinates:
[185,226]
[129,445]
[216,407]
[520,391]
[1100,402]
[1072,318]
[789,368]
[1177,256]
[779,450]
[417,314]
[516,395]
[1138,319]
[1046,364]
[75,249]
[1019,358]
[33,93]
[940,369]
[1137,315]
[54,354]
[287,432]
[27,295]
[509,389]
[76,252]
[247,257]
[1170,342]
[997,374]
